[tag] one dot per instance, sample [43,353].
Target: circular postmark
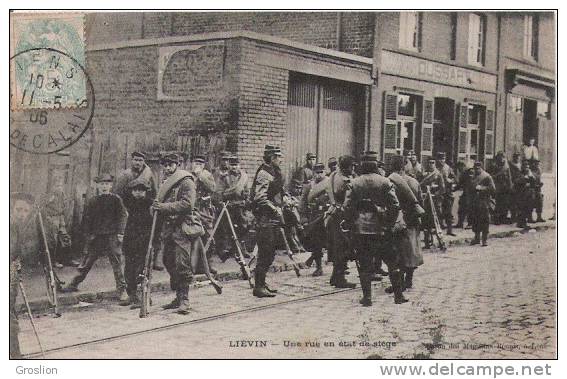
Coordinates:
[47,78]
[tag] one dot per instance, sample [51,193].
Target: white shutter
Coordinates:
[474,25]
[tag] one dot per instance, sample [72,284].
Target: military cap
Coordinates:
[233,160]
[138,154]
[319,167]
[410,152]
[198,158]
[441,155]
[24,196]
[310,156]
[477,164]
[104,178]
[331,162]
[431,159]
[169,158]
[139,183]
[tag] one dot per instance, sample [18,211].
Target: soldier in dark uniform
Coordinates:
[335,187]
[305,173]
[314,233]
[446,215]
[434,180]
[136,235]
[515,173]
[175,204]
[525,187]
[104,223]
[503,181]
[205,187]
[267,195]
[463,185]
[482,190]
[372,208]
[332,165]
[538,194]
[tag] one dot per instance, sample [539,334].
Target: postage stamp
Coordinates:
[40,80]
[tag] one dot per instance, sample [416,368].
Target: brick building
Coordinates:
[326,82]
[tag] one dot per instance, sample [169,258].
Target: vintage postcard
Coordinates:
[283,185]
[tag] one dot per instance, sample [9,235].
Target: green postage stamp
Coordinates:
[47,60]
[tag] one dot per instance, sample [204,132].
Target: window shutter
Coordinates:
[390,126]
[474,24]
[427,129]
[489,135]
[463,134]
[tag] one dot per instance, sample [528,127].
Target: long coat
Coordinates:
[482,190]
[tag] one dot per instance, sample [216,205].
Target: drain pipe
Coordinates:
[339,39]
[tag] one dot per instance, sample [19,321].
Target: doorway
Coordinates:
[530,123]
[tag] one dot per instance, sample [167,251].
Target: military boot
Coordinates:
[333,279]
[450,230]
[366,285]
[183,301]
[174,303]
[408,278]
[341,282]
[71,287]
[484,238]
[260,286]
[476,239]
[126,301]
[396,279]
[539,218]
[319,266]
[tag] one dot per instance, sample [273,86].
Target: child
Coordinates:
[137,236]
[104,222]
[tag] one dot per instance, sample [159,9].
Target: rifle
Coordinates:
[213,281]
[437,226]
[50,277]
[350,246]
[23,291]
[239,257]
[146,276]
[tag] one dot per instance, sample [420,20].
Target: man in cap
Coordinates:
[530,150]
[138,169]
[465,177]
[21,228]
[136,236]
[371,209]
[175,204]
[205,186]
[332,165]
[305,173]
[525,187]
[446,215]
[221,173]
[503,181]
[104,222]
[413,167]
[433,180]
[315,207]
[515,173]
[268,196]
[538,194]
[334,189]
[481,189]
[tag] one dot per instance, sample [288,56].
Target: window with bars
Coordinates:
[531,33]
[477,38]
[410,30]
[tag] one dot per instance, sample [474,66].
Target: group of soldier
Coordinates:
[353,210]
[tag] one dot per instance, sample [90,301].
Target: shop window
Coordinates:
[516,104]
[410,30]
[474,114]
[406,105]
[543,109]
[477,39]
[531,33]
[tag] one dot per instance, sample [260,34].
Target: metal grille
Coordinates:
[489,120]
[427,112]
[390,136]
[427,139]
[462,142]
[391,107]
[463,116]
[302,93]
[488,147]
[337,98]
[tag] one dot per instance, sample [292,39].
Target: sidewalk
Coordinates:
[99,284]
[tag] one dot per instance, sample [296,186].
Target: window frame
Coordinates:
[478,43]
[410,38]
[531,37]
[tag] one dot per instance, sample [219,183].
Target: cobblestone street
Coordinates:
[471,302]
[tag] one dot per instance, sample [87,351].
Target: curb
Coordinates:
[43,307]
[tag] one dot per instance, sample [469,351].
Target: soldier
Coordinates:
[463,185]
[503,182]
[138,169]
[58,239]
[481,189]
[314,234]
[267,197]
[407,241]
[530,151]
[205,186]
[104,223]
[515,173]
[538,194]
[335,188]
[525,187]
[332,165]
[175,204]
[222,241]
[305,173]
[434,180]
[446,215]
[136,236]
[372,208]
[20,224]
[413,167]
